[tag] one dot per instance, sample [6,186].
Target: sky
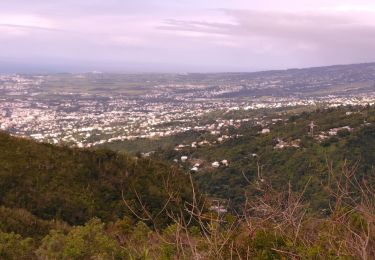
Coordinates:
[183,35]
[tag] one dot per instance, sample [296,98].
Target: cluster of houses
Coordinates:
[218,206]
[193,145]
[203,143]
[332,132]
[217,164]
[219,209]
[283,144]
[197,164]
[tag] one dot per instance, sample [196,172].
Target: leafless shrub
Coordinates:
[347,230]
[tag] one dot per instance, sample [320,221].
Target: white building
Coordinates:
[224,162]
[215,164]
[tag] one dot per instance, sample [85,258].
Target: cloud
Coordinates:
[221,35]
[307,26]
[339,36]
[304,27]
[25,26]
[26,20]
[29,28]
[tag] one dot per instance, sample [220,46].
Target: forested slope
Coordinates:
[64,203]
[270,157]
[75,185]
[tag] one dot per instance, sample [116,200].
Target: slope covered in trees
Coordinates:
[76,185]
[312,201]
[287,154]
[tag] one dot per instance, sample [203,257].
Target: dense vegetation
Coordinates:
[253,155]
[311,202]
[275,225]
[74,185]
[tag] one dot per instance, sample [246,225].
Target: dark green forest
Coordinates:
[76,185]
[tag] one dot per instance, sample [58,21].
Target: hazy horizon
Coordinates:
[185,36]
[55,70]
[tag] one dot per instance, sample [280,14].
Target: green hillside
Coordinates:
[253,156]
[313,200]
[76,185]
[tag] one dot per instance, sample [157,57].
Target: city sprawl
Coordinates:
[94,108]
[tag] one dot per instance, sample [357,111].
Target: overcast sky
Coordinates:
[183,35]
